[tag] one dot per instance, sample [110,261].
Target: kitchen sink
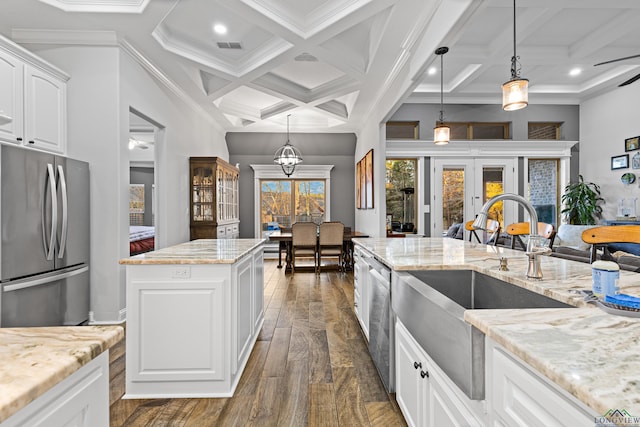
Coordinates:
[431,304]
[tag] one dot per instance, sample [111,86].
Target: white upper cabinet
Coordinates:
[11,98]
[45,111]
[33,94]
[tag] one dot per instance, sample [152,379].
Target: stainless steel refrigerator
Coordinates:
[44,211]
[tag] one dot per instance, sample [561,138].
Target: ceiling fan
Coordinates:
[632,79]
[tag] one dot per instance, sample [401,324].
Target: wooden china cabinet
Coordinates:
[214,211]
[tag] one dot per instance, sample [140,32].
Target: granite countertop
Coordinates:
[591,354]
[36,359]
[203,251]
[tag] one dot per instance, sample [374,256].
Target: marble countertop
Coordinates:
[36,359]
[593,355]
[203,251]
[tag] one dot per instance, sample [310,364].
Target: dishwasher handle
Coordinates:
[379,277]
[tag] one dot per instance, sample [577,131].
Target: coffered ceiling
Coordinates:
[331,63]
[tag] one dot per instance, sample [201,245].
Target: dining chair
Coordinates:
[283,246]
[493,227]
[304,237]
[518,229]
[330,243]
[600,237]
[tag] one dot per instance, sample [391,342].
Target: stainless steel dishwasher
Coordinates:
[381,322]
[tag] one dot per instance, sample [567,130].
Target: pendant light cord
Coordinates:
[441,88]
[515,70]
[288,115]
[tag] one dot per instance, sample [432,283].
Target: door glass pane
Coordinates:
[275,205]
[452,196]
[543,188]
[309,199]
[492,185]
[400,194]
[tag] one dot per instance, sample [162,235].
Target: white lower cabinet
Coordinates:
[424,394]
[520,396]
[80,400]
[191,327]
[361,289]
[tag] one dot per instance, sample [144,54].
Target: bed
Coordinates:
[141,239]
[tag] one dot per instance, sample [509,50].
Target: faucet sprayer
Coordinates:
[533,246]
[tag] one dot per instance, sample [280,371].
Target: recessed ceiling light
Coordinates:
[220,29]
[575,72]
[432,71]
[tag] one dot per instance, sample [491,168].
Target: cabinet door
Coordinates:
[45,115]
[522,397]
[412,382]
[258,292]
[445,409]
[244,310]
[11,97]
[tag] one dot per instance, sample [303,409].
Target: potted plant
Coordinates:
[582,202]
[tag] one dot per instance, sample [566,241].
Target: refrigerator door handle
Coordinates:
[49,249]
[65,219]
[29,283]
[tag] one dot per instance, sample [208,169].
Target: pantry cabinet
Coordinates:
[214,202]
[33,97]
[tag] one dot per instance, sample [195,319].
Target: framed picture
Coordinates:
[363,184]
[620,162]
[369,178]
[635,161]
[358,189]
[136,198]
[632,144]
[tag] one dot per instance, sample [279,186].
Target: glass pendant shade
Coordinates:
[515,94]
[441,134]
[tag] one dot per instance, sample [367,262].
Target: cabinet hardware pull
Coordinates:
[18,139]
[31,142]
[417,365]
[424,374]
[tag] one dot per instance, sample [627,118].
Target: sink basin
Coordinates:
[431,304]
[473,290]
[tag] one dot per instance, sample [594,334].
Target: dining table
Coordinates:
[284,240]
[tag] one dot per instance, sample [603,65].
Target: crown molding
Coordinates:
[30,58]
[99,6]
[505,148]
[65,37]
[302,171]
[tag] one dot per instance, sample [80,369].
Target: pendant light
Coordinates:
[287,156]
[441,132]
[515,92]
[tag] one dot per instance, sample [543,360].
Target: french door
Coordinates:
[460,186]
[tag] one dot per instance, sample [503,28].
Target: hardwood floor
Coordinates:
[310,366]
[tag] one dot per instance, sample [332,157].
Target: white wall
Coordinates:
[605,122]
[105,82]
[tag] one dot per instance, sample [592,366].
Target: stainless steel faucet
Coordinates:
[534,246]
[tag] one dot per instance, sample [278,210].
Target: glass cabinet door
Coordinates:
[202,194]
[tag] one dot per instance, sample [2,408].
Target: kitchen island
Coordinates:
[52,375]
[194,312]
[580,355]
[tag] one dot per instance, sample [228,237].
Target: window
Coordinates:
[285,201]
[544,186]
[544,130]
[479,130]
[400,194]
[403,130]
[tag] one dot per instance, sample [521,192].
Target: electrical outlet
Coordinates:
[181,273]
